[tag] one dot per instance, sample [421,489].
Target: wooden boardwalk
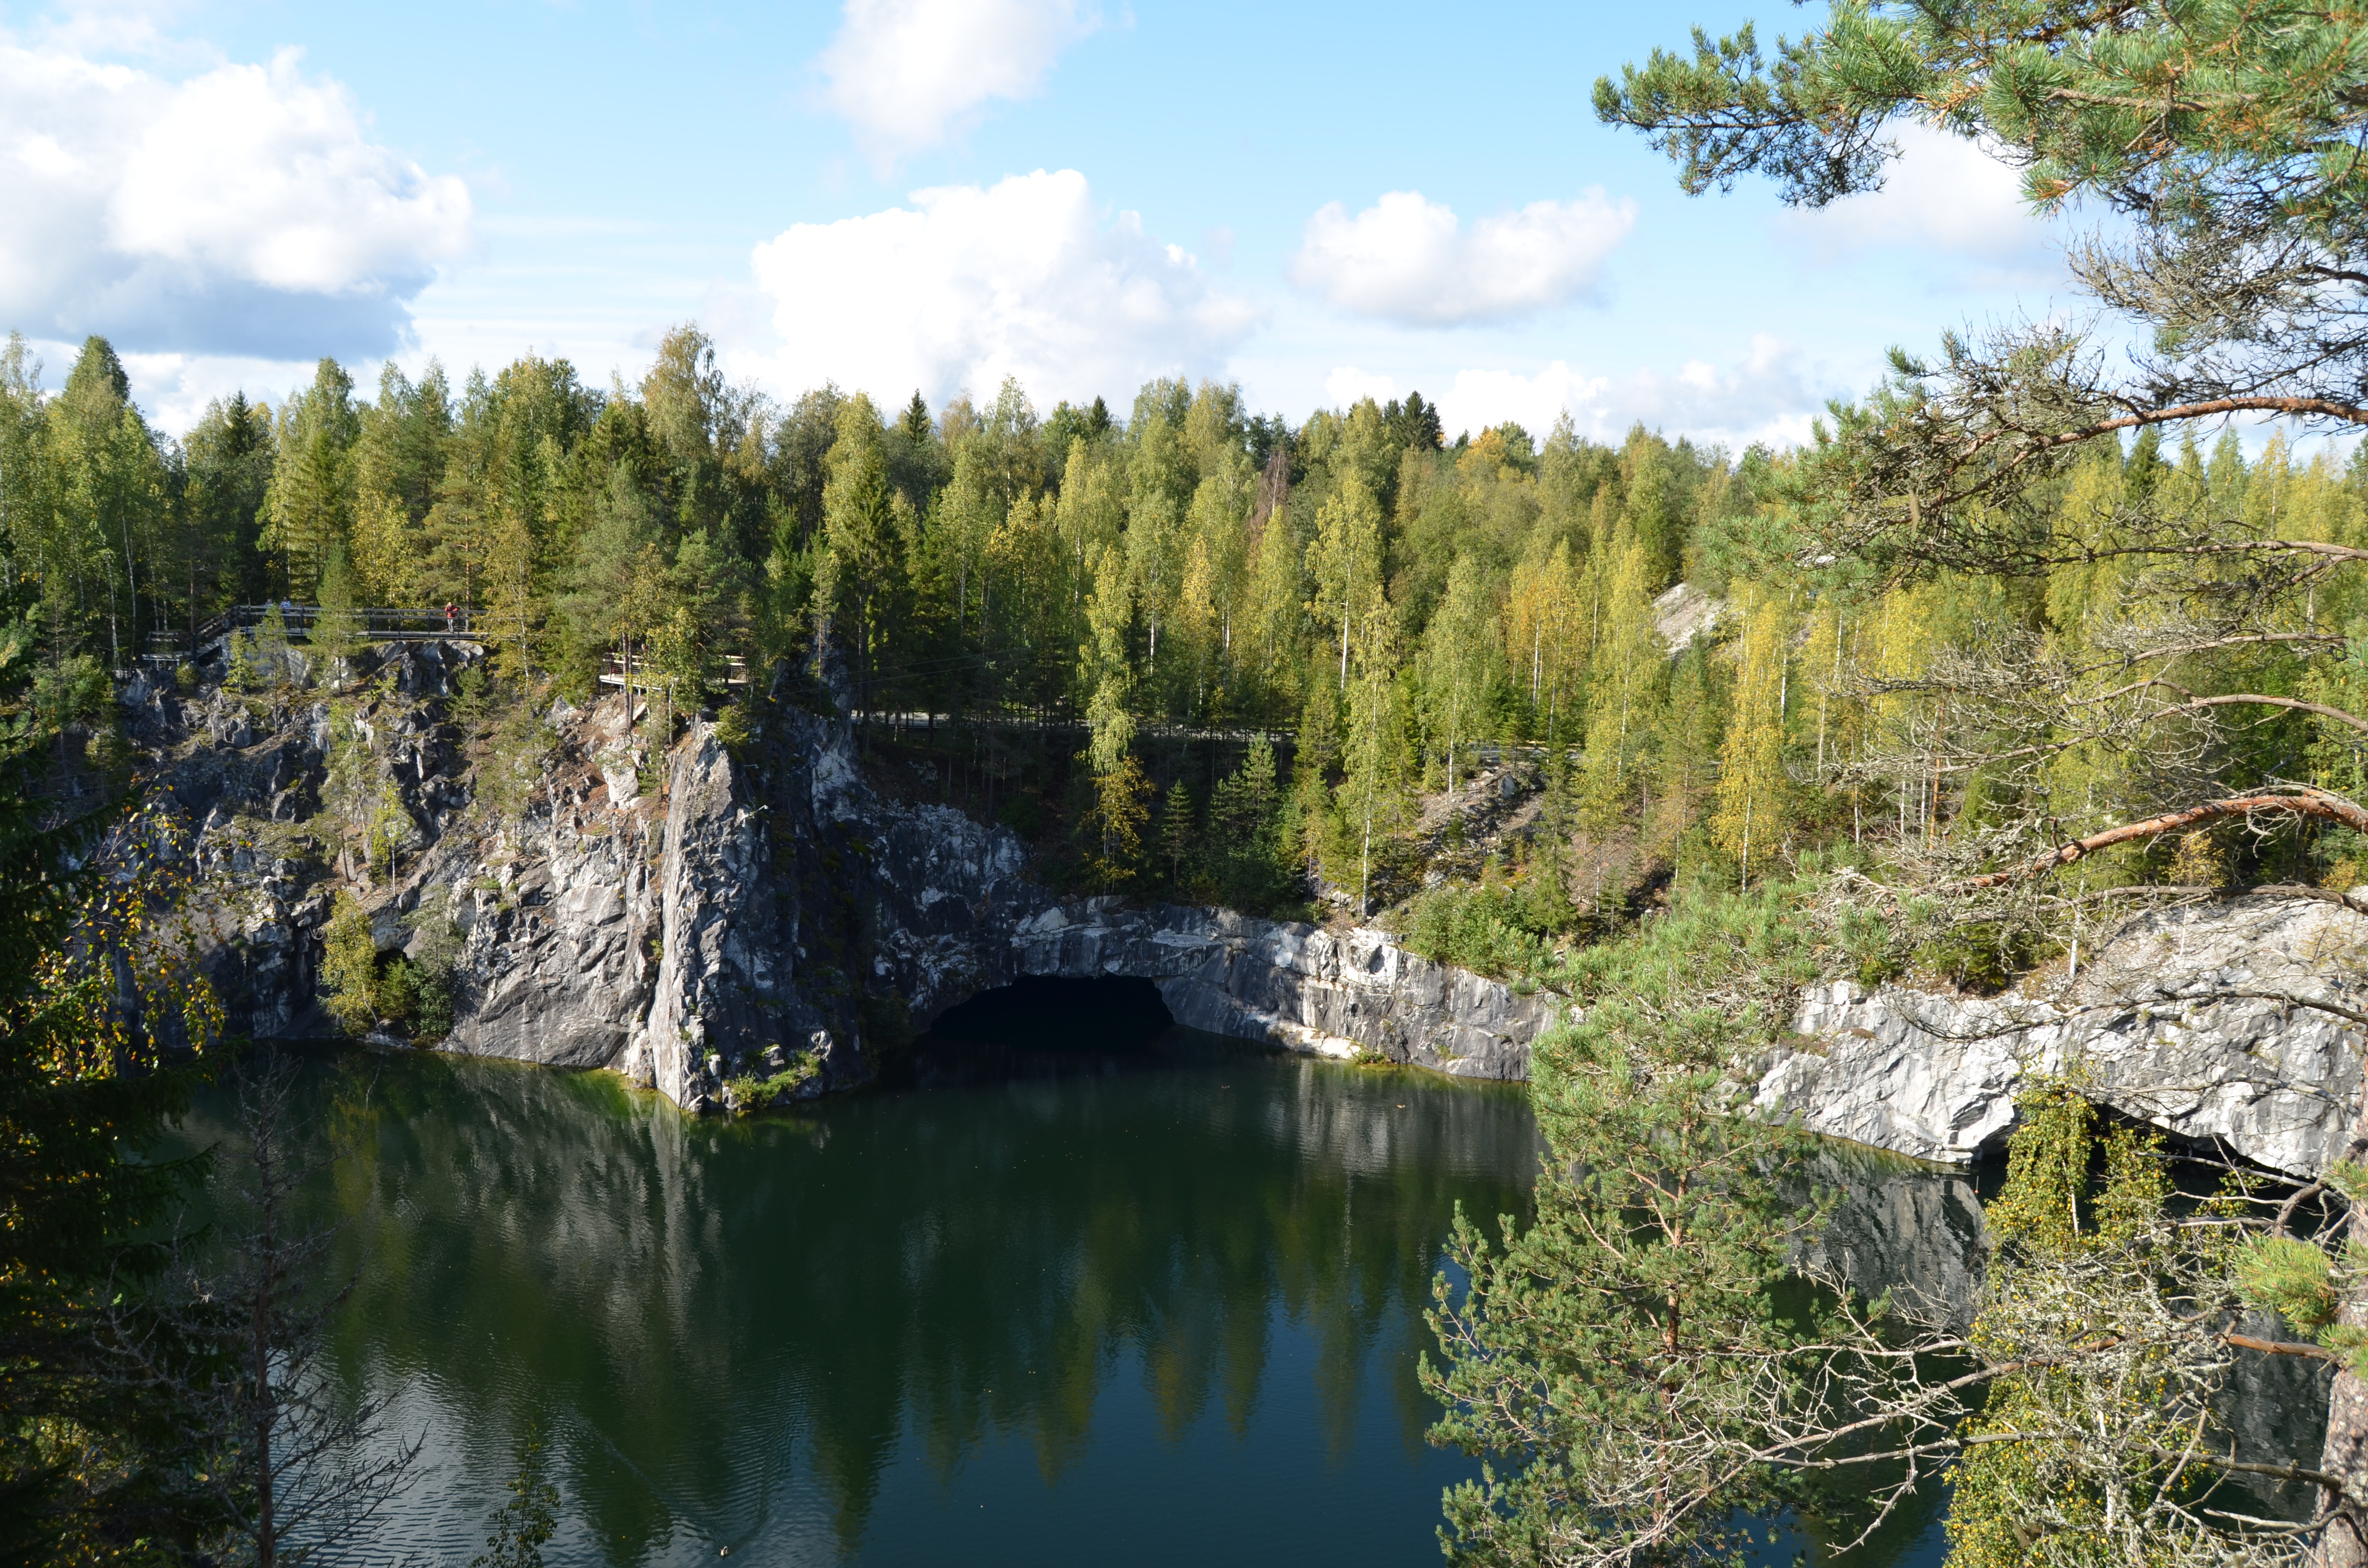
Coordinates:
[375,624]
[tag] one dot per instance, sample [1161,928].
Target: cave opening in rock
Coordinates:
[1037,1012]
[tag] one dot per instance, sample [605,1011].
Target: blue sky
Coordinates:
[1316,200]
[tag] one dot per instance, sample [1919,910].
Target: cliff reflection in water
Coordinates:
[1164,1304]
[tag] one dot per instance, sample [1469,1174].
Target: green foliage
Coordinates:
[2168,108]
[1248,851]
[2289,1277]
[2073,1251]
[1609,1358]
[243,673]
[524,1525]
[750,1092]
[510,759]
[349,978]
[87,1090]
[1488,930]
[1113,827]
[1178,827]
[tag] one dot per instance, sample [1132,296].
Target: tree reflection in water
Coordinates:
[1184,1280]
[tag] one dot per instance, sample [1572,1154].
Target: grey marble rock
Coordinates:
[759,906]
[2148,1027]
[748,910]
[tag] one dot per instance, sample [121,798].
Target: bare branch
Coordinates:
[2298,799]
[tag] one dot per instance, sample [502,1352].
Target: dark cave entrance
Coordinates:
[1043,1027]
[1035,1012]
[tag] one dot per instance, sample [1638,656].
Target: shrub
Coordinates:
[350,981]
[1484,929]
[749,1093]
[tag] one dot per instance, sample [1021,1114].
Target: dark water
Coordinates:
[1157,1304]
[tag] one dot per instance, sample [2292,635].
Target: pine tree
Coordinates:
[1615,1359]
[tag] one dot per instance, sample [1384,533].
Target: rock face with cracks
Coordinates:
[2156,1025]
[691,919]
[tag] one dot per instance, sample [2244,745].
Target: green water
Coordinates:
[1152,1305]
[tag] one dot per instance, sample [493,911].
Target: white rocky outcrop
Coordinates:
[1295,985]
[2151,1027]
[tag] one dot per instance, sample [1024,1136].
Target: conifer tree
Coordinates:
[309,506]
[1175,829]
[861,569]
[1685,752]
[336,633]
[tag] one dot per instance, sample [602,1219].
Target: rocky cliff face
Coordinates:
[1934,1077]
[690,917]
[693,918]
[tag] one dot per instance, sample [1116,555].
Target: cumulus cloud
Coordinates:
[1028,277]
[1411,260]
[1348,385]
[243,210]
[1482,398]
[906,74]
[1764,395]
[1943,193]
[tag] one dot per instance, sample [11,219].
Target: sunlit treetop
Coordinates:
[2161,109]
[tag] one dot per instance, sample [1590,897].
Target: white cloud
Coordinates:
[243,210]
[1026,278]
[906,74]
[1410,260]
[1481,398]
[1348,385]
[1764,396]
[1943,193]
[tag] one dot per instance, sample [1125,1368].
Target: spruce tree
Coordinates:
[309,506]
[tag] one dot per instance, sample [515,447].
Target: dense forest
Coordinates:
[1381,602]
[2023,642]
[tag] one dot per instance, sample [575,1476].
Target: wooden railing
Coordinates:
[641,675]
[375,623]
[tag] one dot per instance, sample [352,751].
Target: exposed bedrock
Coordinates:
[2150,1028]
[691,917]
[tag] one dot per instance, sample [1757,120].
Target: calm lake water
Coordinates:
[1044,1304]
